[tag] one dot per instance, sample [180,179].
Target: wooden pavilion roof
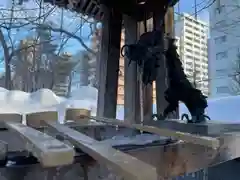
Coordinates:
[129,7]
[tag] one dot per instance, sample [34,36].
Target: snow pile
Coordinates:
[44,99]
[222,109]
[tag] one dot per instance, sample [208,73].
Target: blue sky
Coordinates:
[73,46]
[188,7]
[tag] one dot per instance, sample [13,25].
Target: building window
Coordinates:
[197,29]
[197,35]
[221,72]
[221,39]
[120,89]
[188,31]
[197,47]
[189,50]
[188,25]
[189,38]
[189,57]
[190,64]
[222,89]
[197,53]
[197,65]
[221,24]
[197,41]
[189,44]
[221,55]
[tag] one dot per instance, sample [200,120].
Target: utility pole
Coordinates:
[195,8]
[194,63]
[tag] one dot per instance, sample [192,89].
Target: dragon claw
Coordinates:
[158,116]
[195,119]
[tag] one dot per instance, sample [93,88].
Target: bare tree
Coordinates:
[19,18]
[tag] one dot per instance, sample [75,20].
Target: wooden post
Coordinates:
[147,90]
[109,63]
[131,97]
[162,81]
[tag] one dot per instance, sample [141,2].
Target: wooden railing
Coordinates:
[52,152]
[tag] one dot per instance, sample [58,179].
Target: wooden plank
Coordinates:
[76,114]
[162,80]
[131,97]
[195,139]
[13,117]
[147,90]
[109,63]
[127,166]
[49,151]
[35,119]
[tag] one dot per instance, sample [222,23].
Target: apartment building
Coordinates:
[193,50]
[224,47]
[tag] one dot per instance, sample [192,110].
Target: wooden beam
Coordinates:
[35,119]
[161,81]
[79,117]
[49,151]
[162,78]
[12,117]
[147,90]
[169,22]
[76,114]
[131,93]
[125,165]
[191,138]
[109,63]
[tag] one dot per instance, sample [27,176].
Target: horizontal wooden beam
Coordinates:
[35,119]
[191,138]
[127,7]
[127,166]
[49,151]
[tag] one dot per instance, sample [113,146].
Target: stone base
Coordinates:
[209,128]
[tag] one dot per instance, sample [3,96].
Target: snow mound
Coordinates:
[46,100]
[19,96]
[221,109]
[45,97]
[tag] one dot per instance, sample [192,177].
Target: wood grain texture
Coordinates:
[49,151]
[127,166]
[195,139]
[35,119]
[13,117]
[76,114]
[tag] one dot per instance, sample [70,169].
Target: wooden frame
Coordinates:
[35,119]
[126,165]
[49,151]
[195,139]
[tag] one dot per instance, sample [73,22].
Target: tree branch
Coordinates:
[45,27]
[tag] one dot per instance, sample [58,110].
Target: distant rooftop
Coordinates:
[193,18]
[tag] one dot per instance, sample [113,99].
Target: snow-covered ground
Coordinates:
[223,109]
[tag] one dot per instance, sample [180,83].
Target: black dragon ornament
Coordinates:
[147,53]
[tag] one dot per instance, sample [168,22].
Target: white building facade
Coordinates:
[224,47]
[193,50]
